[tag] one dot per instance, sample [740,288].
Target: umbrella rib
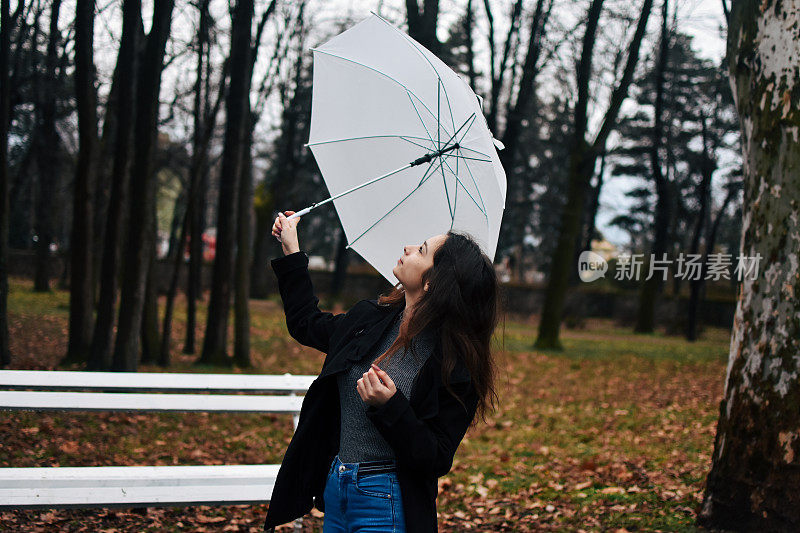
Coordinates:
[439,114]
[455,201]
[418,144]
[446,192]
[476,151]
[315,143]
[405,138]
[472,177]
[398,82]
[455,156]
[410,41]
[480,207]
[425,178]
[430,137]
[452,119]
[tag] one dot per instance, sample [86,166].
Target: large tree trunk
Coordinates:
[5,103]
[100,358]
[139,245]
[215,342]
[580,166]
[651,286]
[755,473]
[81,294]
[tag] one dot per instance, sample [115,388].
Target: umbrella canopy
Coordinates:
[402,144]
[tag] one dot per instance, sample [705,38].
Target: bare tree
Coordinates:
[753,480]
[497,72]
[124,106]
[237,112]
[139,245]
[81,294]
[5,105]
[582,161]
[645,318]
[47,147]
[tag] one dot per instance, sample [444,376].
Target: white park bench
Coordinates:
[144,486]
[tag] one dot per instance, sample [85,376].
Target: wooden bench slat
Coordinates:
[114,486]
[99,401]
[58,379]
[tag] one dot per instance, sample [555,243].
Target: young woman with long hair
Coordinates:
[402,382]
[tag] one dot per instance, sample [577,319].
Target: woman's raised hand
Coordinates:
[285,231]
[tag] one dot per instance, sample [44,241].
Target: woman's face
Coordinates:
[416,259]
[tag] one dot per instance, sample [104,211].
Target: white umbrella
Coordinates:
[402,144]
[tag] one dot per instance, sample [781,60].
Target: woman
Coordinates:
[401,383]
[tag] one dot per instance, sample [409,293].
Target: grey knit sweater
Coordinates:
[360,440]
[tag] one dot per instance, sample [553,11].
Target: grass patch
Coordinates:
[615,431]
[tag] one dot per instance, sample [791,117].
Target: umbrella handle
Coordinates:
[299,213]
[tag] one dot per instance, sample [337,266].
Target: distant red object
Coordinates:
[209,247]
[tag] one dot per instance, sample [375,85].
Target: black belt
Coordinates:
[376,467]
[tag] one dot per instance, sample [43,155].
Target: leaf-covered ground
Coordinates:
[613,433]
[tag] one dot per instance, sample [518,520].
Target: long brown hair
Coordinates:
[461,303]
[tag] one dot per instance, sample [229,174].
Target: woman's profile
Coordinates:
[403,379]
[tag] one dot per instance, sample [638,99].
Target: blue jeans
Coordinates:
[369,503]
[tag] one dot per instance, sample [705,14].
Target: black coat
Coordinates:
[424,430]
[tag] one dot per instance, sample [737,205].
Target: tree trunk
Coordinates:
[651,286]
[422,24]
[244,225]
[100,358]
[81,294]
[512,230]
[594,205]
[139,245]
[755,471]
[5,103]
[166,330]
[48,143]
[215,342]
[340,270]
[197,180]
[704,194]
[580,167]
[151,341]
[264,209]
[105,164]
[244,254]
[498,72]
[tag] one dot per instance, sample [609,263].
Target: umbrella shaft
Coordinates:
[428,157]
[348,191]
[424,159]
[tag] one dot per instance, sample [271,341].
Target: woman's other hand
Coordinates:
[285,231]
[375,387]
